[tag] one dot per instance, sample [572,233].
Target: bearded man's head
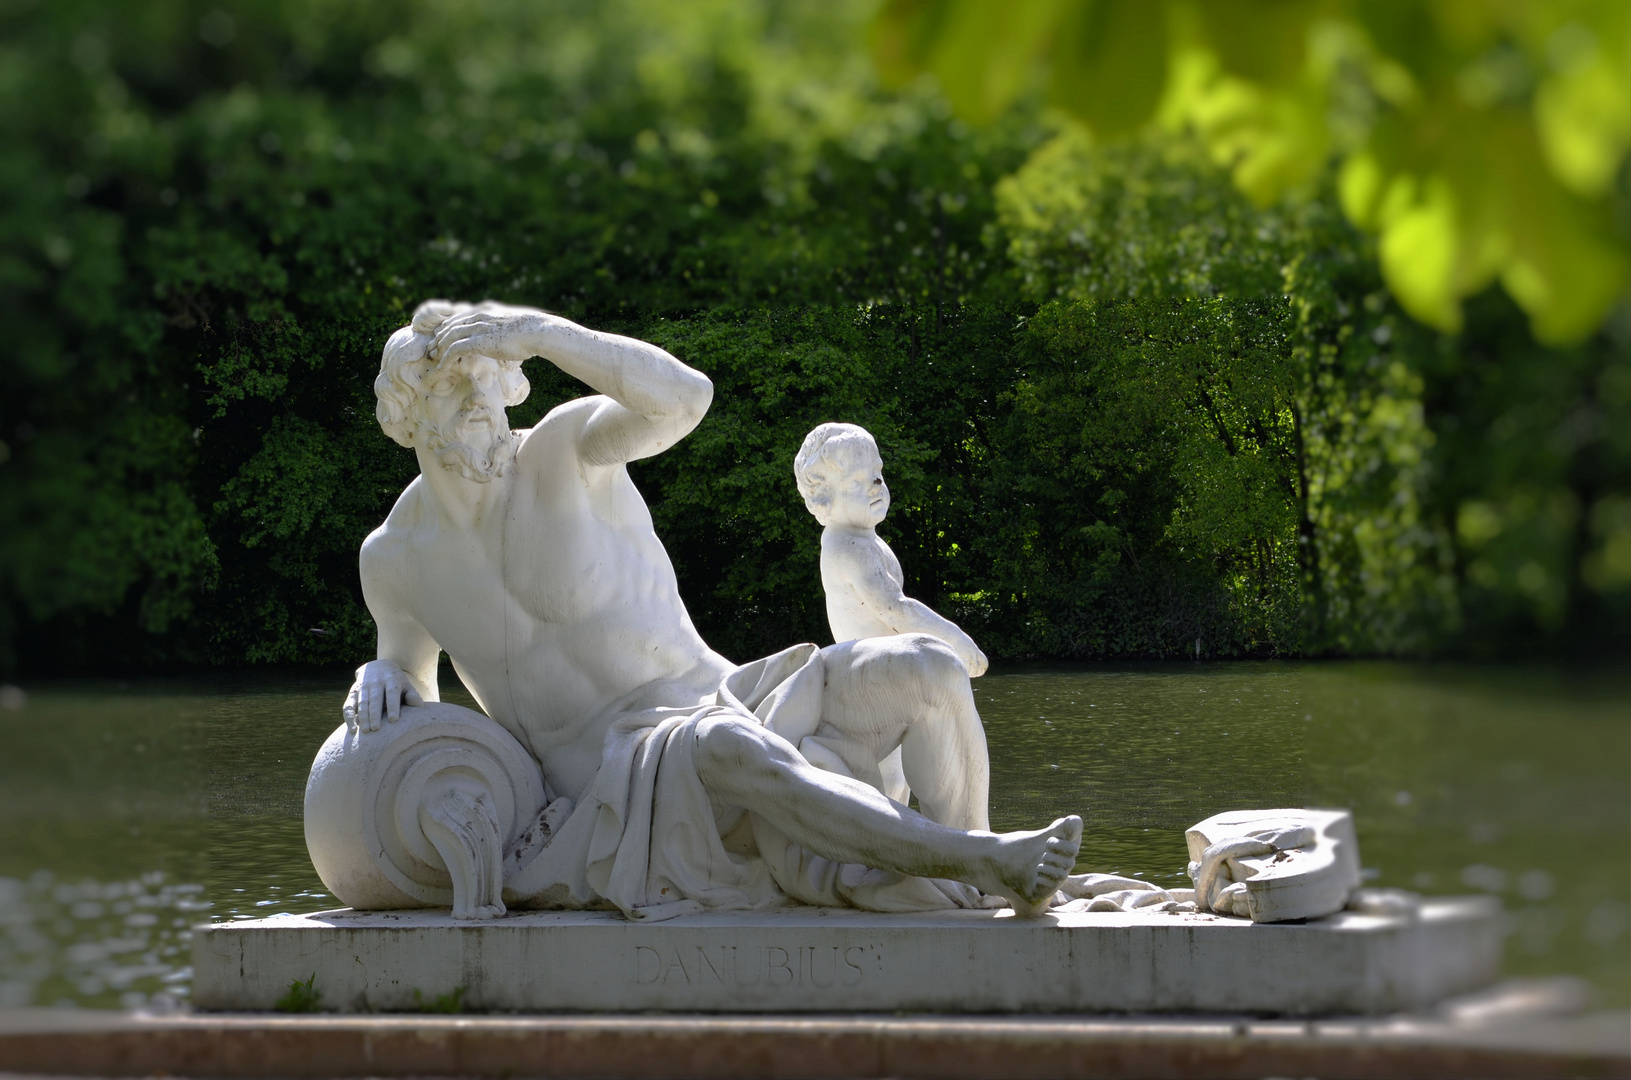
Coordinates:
[478,447]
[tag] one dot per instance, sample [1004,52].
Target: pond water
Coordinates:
[129,811]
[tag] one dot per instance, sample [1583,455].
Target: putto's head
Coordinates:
[840,474]
[454,411]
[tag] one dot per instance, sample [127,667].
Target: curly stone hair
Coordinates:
[404,364]
[817,460]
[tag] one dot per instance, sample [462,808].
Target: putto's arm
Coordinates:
[908,616]
[857,569]
[654,400]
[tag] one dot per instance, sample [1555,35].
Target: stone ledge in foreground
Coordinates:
[826,960]
[82,1043]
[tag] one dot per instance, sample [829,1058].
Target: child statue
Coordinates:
[840,475]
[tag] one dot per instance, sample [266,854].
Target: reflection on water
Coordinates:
[91,942]
[127,811]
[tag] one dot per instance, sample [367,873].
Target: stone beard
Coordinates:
[475,450]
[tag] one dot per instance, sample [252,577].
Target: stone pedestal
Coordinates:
[826,960]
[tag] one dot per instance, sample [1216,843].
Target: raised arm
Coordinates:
[854,573]
[653,399]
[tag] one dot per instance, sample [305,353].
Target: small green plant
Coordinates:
[450,1002]
[303,997]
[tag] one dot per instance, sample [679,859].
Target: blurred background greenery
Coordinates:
[1239,329]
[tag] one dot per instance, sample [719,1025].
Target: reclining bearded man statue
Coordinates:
[530,558]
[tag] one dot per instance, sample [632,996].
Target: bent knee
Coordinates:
[733,744]
[929,646]
[925,655]
[894,676]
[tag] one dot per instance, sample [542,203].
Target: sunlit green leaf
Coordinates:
[1271,140]
[1109,63]
[1359,185]
[1418,251]
[1565,268]
[982,53]
[1265,41]
[1583,109]
[1482,140]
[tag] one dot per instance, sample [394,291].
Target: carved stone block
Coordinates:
[420,812]
[1274,865]
[836,960]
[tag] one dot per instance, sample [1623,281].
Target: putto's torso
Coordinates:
[857,568]
[560,611]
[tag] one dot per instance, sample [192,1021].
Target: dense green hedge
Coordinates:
[1124,412]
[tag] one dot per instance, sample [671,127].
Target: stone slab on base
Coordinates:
[827,960]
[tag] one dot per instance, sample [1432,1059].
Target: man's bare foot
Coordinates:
[1029,866]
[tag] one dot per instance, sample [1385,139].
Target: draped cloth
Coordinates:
[648,838]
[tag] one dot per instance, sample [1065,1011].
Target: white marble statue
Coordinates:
[840,474]
[426,812]
[1276,865]
[671,780]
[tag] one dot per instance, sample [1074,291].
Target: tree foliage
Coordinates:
[1123,407]
[1480,141]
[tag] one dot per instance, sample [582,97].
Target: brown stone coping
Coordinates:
[83,1043]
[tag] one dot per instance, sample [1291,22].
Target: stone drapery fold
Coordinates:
[647,838]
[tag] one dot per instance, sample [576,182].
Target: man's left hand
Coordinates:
[508,335]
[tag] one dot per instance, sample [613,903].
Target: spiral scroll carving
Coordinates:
[419,812]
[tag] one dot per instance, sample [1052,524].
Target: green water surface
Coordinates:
[130,811]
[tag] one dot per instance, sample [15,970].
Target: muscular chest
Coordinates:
[541,563]
[459,594]
[574,556]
